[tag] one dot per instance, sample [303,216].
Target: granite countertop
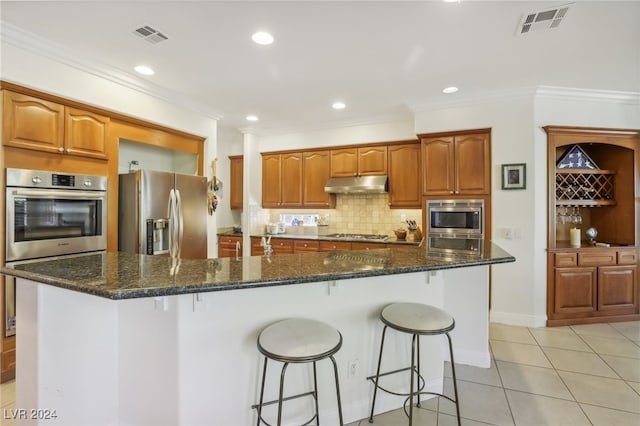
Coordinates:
[126,276]
[320,237]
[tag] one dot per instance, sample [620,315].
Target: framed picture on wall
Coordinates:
[514,176]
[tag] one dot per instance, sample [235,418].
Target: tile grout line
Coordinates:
[504,391]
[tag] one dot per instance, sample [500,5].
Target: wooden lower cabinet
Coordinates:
[279,246]
[8,365]
[617,289]
[593,286]
[229,246]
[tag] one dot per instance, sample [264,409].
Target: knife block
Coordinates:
[415,234]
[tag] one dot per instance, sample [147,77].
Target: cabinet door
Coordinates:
[236,182]
[291,180]
[472,164]
[344,162]
[316,166]
[575,290]
[271,180]
[32,123]
[85,133]
[618,289]
[256,248]
[372,160]
[437,163]
[404,176]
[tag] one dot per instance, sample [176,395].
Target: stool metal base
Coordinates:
[415,369]
[281,398]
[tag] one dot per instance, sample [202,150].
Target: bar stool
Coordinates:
[418,320]
[298,340]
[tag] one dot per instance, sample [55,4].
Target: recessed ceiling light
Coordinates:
[262,37]
[252,118]
[452,1]
[450,89]
[144,70]
[338,105]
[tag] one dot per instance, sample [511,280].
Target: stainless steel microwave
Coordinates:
[455,218]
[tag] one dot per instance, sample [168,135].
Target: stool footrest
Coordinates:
[421,381]
[288,398]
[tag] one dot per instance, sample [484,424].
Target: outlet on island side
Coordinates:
[352,368]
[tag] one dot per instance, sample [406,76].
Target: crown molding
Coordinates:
[337,124]
[534,93]
[589,95]
[27,41]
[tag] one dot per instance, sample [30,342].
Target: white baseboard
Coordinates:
[473,358]
[518,319]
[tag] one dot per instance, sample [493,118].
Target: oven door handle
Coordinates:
[30,193]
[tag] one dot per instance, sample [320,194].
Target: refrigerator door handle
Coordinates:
[171,214]
[180,211]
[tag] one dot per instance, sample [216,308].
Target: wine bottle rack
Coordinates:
[585,188]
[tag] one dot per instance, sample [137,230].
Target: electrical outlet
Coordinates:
[403,217]
[352,368]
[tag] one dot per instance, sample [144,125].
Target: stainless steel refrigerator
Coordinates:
[163,213]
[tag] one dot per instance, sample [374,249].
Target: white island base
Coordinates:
[192,359]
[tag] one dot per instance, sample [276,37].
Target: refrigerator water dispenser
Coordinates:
[157,236]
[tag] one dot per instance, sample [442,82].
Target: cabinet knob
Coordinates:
[60,149]
[450,192]
[69,150]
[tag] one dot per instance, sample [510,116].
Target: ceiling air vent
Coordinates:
[150,34]
[543,20]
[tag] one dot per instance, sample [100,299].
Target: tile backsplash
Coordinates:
[358,213]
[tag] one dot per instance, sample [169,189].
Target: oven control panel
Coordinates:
[44,179]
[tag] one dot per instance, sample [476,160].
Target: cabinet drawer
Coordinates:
[229,241]
[334,246]
[306,245]
[282,246]
[367,246]
[597,258]
[627,257]
[566,259]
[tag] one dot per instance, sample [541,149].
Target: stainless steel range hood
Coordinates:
[356,185]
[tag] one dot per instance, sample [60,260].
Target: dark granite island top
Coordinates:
[128,276]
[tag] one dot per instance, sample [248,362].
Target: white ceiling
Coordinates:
[380,58]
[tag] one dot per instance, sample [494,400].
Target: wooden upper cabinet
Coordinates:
[362,161]
[236,181]
[472,164]
[32,123]
[85,133]
[404,176]
[271,180]
[316,166]
[292,179]
[41,125]
[282,180]
[457,165]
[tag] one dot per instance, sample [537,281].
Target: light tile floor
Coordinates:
[560,376]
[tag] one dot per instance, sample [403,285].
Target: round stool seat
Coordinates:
[417,318]
[299,340]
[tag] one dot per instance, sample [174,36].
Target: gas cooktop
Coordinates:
[359,236]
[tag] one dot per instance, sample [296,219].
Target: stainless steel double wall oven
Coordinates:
[456,226]
[50,214]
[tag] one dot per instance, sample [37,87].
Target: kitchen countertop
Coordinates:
[126,276]
[320,237]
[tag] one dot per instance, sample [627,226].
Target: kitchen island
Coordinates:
[118,338]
